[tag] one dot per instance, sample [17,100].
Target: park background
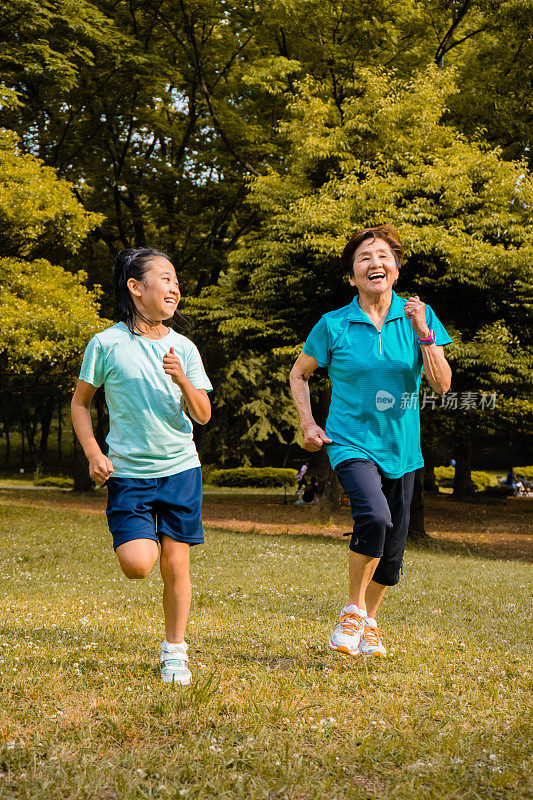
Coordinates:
[247,140]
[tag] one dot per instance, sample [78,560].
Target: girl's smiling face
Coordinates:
[374,268]
[157,295]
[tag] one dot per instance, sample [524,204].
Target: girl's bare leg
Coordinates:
[174,567]
[137,557]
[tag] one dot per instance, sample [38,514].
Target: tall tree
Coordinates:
[47,312]
[162,111]
[463,213]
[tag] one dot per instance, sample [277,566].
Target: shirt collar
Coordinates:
[356,314]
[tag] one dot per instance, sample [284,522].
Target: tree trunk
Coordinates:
[47,412]
[31,426]
[59,436]
[320,461]
[330,499]
[430,482]
[82,480]
[463,487]
[329,488]
[22,448]
[417,531]
[5,423]
[320,466]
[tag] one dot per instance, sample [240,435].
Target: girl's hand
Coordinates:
[100,468]
[172,367]
[415,310]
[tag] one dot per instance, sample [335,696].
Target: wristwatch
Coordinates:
[430,339]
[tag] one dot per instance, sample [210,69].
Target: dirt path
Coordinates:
[494,529]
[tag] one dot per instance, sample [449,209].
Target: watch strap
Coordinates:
[430,339]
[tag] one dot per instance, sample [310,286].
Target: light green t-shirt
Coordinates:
[150,436]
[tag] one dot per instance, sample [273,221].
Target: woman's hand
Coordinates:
[314,438]
[100,468]
[172,367]
[415,310]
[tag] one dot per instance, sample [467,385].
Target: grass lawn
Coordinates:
[272,713]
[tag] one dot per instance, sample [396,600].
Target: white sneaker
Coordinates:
[347,635]
[174,663]
[370,644]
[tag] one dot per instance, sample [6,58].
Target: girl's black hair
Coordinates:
[134,263]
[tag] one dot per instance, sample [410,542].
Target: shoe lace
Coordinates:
[372,635]
[350,623]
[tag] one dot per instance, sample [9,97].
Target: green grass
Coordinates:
[272,713]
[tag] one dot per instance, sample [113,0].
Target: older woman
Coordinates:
[375,350]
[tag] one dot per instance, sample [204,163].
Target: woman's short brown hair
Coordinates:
[385,232]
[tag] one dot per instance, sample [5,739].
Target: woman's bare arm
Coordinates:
[314,436]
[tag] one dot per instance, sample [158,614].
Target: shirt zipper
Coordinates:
[380,349]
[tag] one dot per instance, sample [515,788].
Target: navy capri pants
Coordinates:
[380,510]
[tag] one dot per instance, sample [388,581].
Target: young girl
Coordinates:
[151,376]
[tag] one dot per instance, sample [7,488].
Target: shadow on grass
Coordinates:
[490,551]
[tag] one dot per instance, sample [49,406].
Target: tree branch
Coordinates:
[444,46]
[202,84]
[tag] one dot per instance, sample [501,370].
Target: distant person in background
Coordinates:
[310,492]
[301,476]
[512,482]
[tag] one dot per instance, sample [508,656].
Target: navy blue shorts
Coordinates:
[147,508]
[380,509]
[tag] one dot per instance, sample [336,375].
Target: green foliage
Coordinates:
[207,469]
[463,214]
[444,476]
[39,213]
[524,472]
[495,98]
[51,317]
[252,476]
[48,314]
[388,155]
[481,480]
[59,482]
[159,113]
[251,403]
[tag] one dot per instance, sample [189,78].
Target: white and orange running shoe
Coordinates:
[347,635]
[370,643]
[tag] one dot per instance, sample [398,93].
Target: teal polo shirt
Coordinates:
[375,378]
